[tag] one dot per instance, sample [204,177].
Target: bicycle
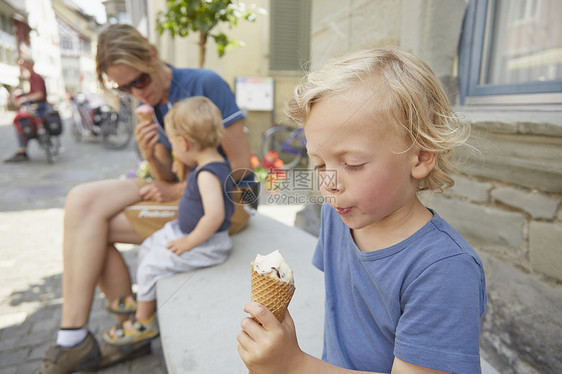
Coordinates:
[46,129]
[92,117]
[288,142]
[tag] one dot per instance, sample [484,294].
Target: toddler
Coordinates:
[199,237]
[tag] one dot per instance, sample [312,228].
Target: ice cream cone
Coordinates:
[272,294]
[144,113]
[179,168]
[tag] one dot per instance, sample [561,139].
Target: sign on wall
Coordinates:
[254,93]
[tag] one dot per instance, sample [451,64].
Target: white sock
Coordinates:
[70,338]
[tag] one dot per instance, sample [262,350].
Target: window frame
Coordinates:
[470,59]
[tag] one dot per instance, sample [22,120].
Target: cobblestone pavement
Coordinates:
[31,212]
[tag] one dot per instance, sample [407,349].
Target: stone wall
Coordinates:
[507,197]
[506,203]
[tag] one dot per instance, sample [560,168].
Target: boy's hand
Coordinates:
[271,347]
[179,246]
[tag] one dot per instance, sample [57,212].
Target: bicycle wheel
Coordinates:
[115,131]
[45,142]
[77,125]
[274,139]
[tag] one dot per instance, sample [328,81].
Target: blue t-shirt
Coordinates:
[191,210]
[420,300]
[198,82]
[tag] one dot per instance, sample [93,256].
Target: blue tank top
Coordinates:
[190,209]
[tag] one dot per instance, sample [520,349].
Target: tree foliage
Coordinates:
[202,16]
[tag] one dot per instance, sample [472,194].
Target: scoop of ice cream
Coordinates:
[144,112]
[273,265]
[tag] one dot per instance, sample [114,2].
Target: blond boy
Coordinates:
[404,291]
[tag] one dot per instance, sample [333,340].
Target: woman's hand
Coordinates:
[146,136]
[269,346]
[162,191]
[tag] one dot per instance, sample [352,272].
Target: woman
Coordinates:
[95,212]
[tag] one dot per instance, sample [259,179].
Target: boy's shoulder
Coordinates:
[434,242]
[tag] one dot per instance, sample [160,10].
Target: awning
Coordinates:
[9,75]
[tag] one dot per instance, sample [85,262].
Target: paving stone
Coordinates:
[31,220]
[13,356]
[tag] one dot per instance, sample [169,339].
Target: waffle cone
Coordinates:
[144,113]
[144,117]
[272,294]
[180,169]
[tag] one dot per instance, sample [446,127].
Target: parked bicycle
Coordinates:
[288,142]
[45,129]
[93,117]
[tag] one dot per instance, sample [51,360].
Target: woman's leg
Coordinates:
[89,209]
[114,280]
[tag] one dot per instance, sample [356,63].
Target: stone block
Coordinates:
[521,331]
[308,219]
[546,252]
[536,204]
[484,227]
[547,127]
[499,126]
[470,189]
[524,160]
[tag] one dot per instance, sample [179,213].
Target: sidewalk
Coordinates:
[31,217]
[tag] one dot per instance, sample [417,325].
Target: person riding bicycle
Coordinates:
[37,95]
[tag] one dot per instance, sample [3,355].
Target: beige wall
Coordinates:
[249,60]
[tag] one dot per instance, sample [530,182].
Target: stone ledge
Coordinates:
[200,312]
[515,122]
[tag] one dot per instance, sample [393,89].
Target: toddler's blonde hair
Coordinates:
[198,120]
[417,101]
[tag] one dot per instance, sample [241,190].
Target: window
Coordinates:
[289,35]
[511,52]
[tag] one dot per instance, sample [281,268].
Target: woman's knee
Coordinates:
[80,199]
[102,199]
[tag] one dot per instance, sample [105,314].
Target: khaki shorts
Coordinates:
[147,217]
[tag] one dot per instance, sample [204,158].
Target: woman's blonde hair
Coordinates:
[198,120]
[123,44]
[417,101]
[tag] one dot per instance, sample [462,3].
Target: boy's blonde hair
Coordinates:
[123,44]
[417,101]
[198,120]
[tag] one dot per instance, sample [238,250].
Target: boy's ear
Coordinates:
[184,144]
[424,164]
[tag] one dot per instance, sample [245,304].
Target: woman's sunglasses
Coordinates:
[140,82]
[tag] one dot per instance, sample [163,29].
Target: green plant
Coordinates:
[185,16]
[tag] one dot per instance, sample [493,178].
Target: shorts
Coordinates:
[147,217]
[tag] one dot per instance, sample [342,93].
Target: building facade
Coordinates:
[501,63]
[77,34]
[14,31]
